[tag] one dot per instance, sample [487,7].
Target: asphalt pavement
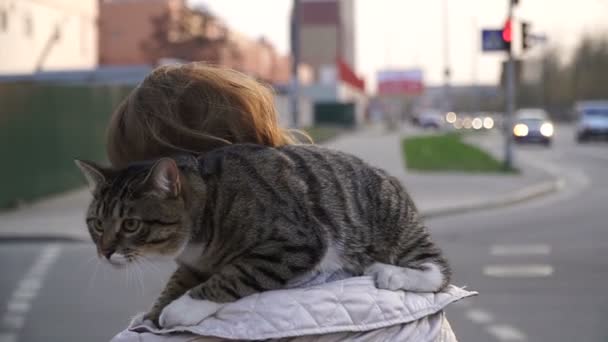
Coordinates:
[540,267]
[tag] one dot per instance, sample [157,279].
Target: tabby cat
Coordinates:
[248,218]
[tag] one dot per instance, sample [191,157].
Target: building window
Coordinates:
[3,20]
[28,26]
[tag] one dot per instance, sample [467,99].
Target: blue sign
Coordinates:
[491,40]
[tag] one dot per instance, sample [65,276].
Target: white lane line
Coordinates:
[19,306]
[8,337]
[518,271]
[21,300]
[504,332]
[479,316]
[13,322]
[520,250]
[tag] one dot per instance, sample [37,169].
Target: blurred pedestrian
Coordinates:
[194,108]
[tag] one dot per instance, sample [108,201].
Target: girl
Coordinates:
[194,108]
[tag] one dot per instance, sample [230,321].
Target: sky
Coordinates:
[401,34]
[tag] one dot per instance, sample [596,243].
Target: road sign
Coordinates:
[491,40]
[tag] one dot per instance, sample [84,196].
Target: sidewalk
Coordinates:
[435,194]
[59,217]
[438,194]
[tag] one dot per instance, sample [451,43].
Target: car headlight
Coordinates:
[520,130]
[546,129]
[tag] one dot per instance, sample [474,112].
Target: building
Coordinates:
[125,26]
[136,32]
[327,33]
[47,35]
[326,43]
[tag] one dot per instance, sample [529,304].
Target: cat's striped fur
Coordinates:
[248,218]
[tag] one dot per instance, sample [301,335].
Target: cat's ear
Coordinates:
[93,173]
[164,178]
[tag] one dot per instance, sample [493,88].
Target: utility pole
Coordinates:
[294,90]
[510,92]
[446,59]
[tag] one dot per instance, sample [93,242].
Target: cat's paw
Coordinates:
[187,311]
[391,277]
[150,319]
[387,277]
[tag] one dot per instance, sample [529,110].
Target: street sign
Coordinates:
[491,40]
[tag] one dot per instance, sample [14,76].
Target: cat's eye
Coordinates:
[130,225]
[96,224]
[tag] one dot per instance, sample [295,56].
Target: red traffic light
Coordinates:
[506,31]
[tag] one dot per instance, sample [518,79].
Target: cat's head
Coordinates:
[137,211]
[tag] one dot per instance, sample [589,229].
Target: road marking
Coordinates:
[8,337]
[18,306]
[518,271]
[12,321]
[21,300]
[479,316]
[517,250]
[504,332]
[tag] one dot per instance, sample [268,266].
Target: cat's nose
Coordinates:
[108,252]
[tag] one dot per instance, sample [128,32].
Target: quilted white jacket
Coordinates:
[351,309]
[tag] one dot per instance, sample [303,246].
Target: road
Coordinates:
[540,268]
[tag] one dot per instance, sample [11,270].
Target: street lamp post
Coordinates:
[294,90]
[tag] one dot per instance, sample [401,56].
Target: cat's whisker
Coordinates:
[92,276]
[92,258]
[127,273]
[146,261]
[140,277]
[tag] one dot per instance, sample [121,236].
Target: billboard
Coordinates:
[400,82]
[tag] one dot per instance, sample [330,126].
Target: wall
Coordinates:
[43,127]
[29,29]
[349,94]
[319,45]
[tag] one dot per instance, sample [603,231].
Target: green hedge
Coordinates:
[43,127]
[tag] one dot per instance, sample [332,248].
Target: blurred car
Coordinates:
[532,125]
[430,119]
[592,120]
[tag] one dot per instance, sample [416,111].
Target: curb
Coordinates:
[525,194]
[519,196]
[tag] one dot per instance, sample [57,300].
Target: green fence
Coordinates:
[43,127]
[334,113]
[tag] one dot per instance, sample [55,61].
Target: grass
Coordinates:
[321,134]
[447,152]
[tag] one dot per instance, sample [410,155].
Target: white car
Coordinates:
[592,119]
[532,125]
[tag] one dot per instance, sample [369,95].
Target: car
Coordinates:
[592,119]
[430,119]
[532,125]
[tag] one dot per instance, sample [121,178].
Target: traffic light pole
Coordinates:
[510,101]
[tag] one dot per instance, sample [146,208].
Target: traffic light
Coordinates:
[507,35]
[525,32]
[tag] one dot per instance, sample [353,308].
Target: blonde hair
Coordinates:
[192,108]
